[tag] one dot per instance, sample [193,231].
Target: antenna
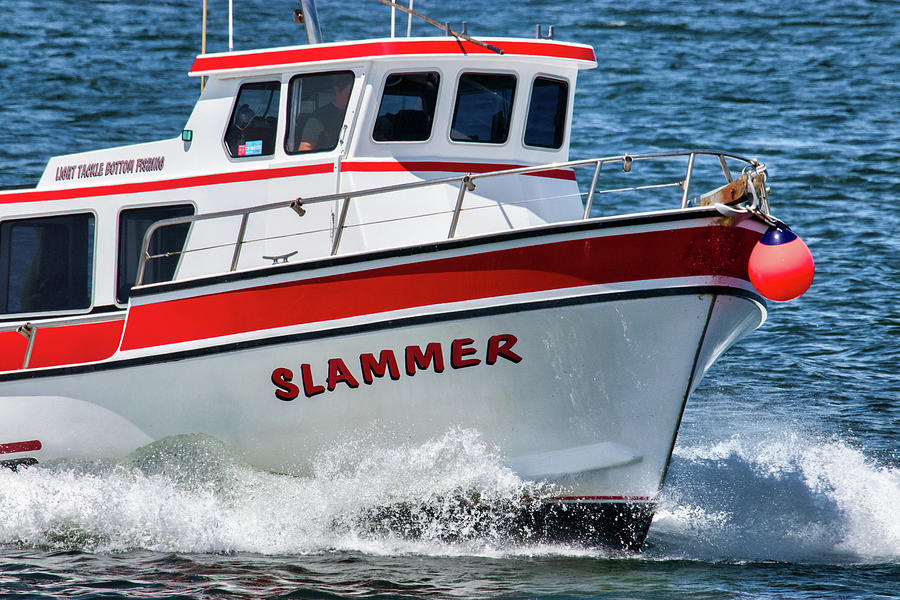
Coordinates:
[203,44]
[408,20]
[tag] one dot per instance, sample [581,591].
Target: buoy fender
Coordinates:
[781,267]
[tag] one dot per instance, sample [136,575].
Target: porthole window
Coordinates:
[407,107]
[545,127]
[483,108]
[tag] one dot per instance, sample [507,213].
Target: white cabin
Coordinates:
[416,109]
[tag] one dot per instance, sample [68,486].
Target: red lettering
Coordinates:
[458,352]
[309,386]
[372,368]
[501,345]
[463,353]
[416,358]
[282,380]
[339,373]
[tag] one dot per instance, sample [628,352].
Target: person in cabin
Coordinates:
[321,130]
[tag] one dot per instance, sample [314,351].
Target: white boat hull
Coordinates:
[582,386]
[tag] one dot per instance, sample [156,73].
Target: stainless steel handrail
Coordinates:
[466,183]
[38,323]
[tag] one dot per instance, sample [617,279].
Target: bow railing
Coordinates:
[732,189]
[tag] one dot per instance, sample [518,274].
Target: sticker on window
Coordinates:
[252,148]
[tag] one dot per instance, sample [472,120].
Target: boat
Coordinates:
[385,232]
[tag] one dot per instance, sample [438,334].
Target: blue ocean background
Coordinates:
[785,481]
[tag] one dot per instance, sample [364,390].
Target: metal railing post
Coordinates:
[590,198]
[29,332]
[687,180]
[143,263]
[725,168]
[465,184]
[340,226]
[240,242]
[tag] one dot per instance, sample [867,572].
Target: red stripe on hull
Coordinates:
[451,46]
[165,184]
[61,345]
[29,446]
[698,251]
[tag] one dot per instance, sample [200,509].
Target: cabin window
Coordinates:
[407,107]
[547,113]
[46,264]
[318,104]
[251,130]
[483,108]
[133,224]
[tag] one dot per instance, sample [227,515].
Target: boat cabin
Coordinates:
[298,123]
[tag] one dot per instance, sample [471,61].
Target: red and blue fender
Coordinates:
[781,266]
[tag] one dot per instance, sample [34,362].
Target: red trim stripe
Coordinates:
[164,184]
[263,174]
[696,251]
[447,167]
[441,46]
[13,447]
[62,344]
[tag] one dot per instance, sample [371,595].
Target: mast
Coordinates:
[311,21]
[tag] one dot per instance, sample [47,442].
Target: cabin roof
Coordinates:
[238,63]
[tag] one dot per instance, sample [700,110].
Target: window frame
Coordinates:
[91,271]
[437,104]
[565,118]
[512,110]
[123,209]
[349,111]
[234,108]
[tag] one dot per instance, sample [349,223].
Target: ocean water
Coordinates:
[785,481]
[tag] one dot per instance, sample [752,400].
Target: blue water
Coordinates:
[786,476]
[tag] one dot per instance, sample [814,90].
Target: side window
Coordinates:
[407,107]
[318,103]
[547,113]
[483,108]
[251,130]
[133,224]
[46,263]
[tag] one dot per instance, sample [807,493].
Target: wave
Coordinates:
[755,496]
[779,495]
[193,494]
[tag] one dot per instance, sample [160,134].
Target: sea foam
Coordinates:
[754,496]
[193,494]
